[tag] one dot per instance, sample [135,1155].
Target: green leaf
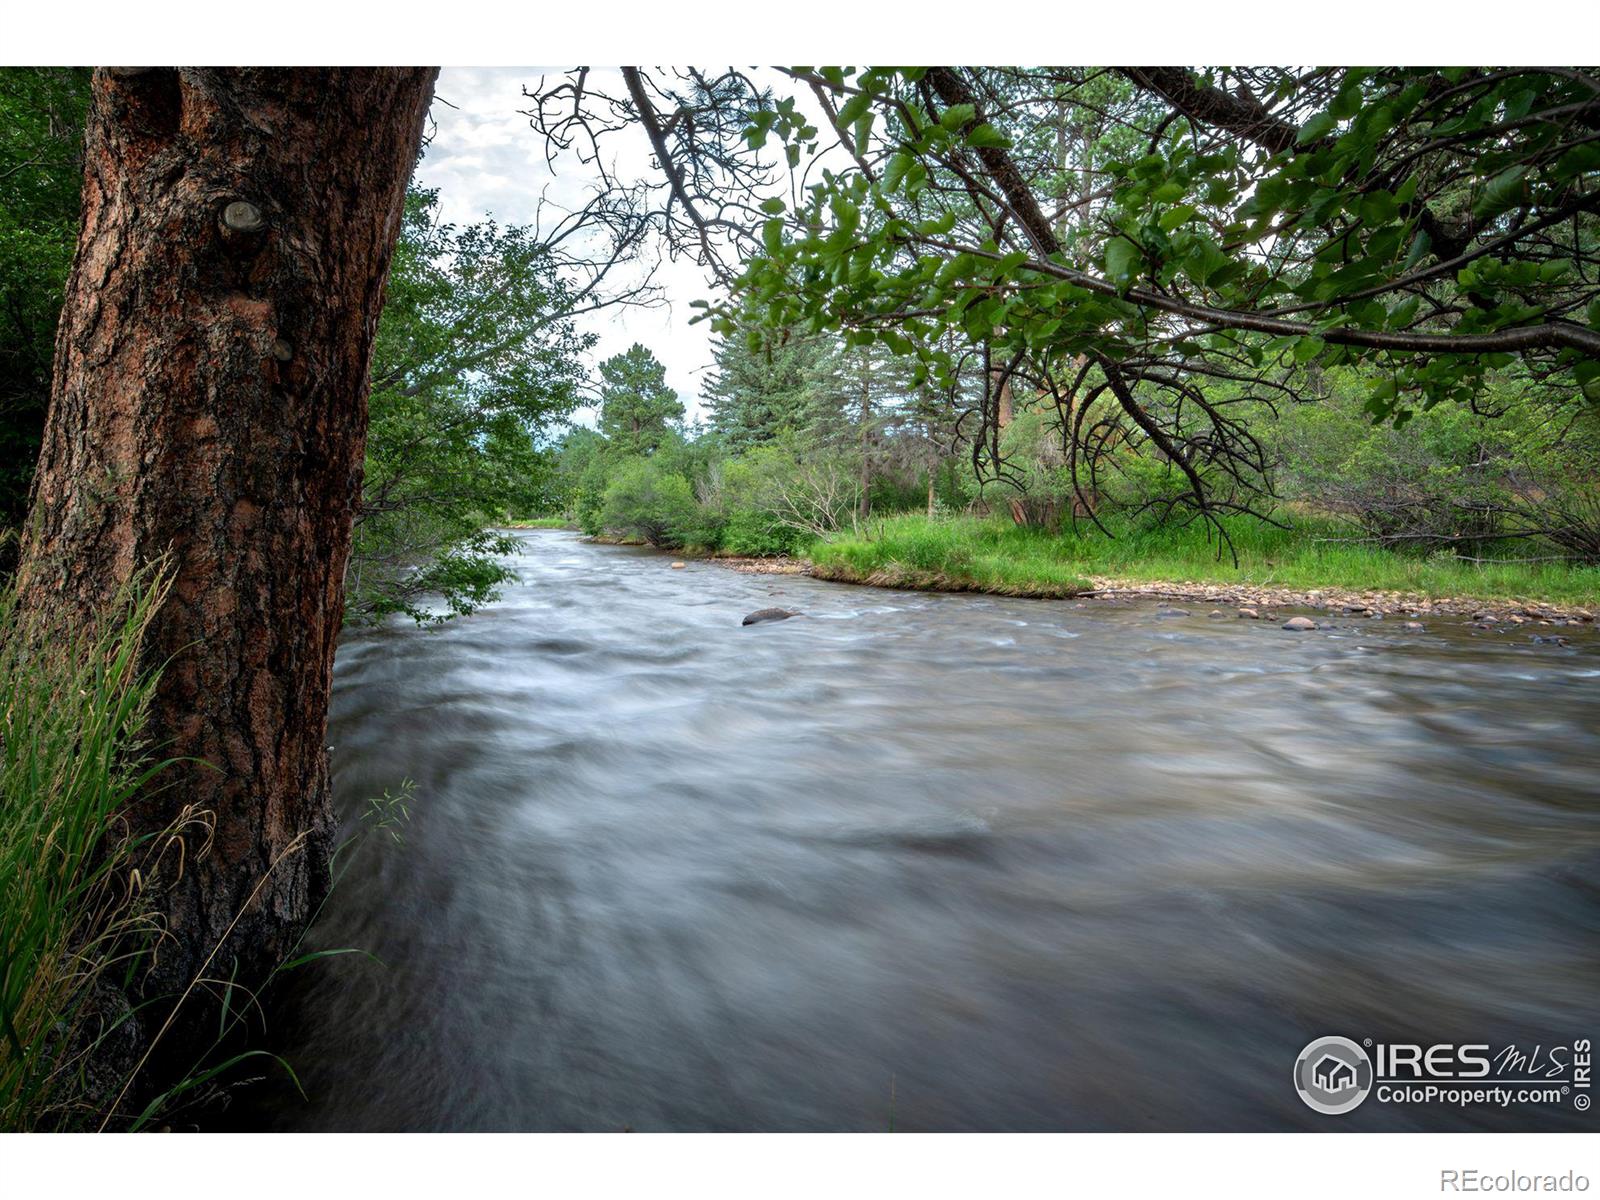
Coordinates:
[1378,208]
[1420,245]
[772,236]
[986,137]
[1122,260]
[957,115]
[1504,192]
[1315,129]
[863,132]
[1308,348]
[1174,217]
[896,170]
[772,205]
[853,108]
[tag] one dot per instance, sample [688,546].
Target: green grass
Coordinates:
[540,523]
[952,555]
[73,703]
[971,554]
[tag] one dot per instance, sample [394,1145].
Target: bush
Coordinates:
[645,501]
[1450,478]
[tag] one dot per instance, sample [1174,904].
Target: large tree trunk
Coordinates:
[210,399]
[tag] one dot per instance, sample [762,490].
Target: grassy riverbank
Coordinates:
[970,554]
[540,523]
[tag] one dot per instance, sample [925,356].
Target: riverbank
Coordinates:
[1276,569]
[541,523]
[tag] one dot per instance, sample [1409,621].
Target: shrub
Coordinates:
[642,500]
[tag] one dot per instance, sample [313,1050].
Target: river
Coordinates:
[935,862]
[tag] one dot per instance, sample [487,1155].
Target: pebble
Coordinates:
[1216,612]
[678,566]
[1299,624]
[1250,614]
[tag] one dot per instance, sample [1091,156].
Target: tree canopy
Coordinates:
[1156,250]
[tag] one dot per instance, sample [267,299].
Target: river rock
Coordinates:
[1412,626]
[768,614]
[1299,624]
[1173,612]
[677,566]
[1249,614]
[1548,639]
[1216,613]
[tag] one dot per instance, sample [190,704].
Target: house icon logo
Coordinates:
[1333,1075]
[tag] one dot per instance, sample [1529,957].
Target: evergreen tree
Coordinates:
[758,394]
[636,405]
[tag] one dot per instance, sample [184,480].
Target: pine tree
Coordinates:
[758,394]
[636,406]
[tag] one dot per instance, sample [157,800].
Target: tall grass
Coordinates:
[73,877]
[968,553]
[80,907]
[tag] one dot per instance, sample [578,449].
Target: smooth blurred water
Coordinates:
[935,861]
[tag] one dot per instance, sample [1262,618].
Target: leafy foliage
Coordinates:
[1181,244]
[476,360]
[42,113]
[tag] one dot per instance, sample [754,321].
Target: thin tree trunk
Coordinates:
[210,400]
[865,504]
[1005,405]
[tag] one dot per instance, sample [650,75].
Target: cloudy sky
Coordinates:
[486,160]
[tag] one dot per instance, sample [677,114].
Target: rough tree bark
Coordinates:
[210,401]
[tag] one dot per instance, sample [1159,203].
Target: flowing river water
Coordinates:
[941,862]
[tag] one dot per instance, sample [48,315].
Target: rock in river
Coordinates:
[768,614]
[1299,623]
